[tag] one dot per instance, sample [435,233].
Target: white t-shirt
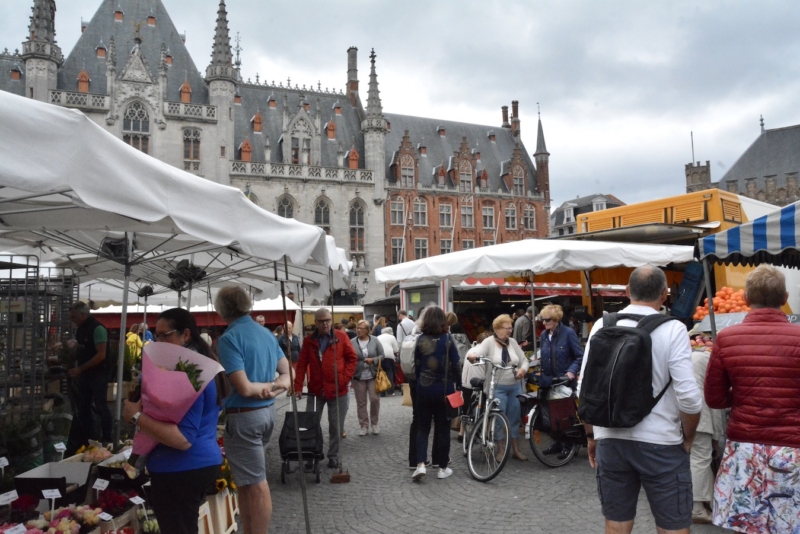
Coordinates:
[404,328]
[671,357]
[390,346]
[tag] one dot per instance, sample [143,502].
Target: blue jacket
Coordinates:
[563,354]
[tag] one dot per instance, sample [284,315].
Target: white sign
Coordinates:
[137,500]
[19,529]
[127,453]
[8,498]
[60,447]
[51,494]
[3,461]
[105,517]
[100,484]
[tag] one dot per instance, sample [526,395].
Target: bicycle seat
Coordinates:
[477,383]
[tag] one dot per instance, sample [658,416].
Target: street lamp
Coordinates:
[354,288]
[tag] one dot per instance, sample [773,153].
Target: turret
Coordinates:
[221,79]
[542,157]
[41,53]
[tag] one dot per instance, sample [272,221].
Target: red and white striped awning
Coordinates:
[540,289]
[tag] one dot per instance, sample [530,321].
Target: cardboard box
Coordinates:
[56,475]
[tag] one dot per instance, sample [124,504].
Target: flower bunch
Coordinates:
[8,526]
[62,524]
[94,454]
[192,371]
[114,502]
[226,478]
[25,502]
[148,521]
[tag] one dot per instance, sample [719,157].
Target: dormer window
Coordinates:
[569,216]
[16,73]
[101,51]
[407,171]
[465,177]
[151,20]
[598,205]
[83,82]
[186,92]
[118,16]
[168,59]
[257,123]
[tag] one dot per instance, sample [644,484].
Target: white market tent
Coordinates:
[83,198]
[533,255]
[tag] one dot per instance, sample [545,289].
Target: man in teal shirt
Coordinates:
[251,357]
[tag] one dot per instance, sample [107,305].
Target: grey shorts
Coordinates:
[247,435]
[623,466]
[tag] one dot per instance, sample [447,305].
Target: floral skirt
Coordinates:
[758,489]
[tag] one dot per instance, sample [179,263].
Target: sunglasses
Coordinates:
[547,319]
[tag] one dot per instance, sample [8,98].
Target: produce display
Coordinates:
[148,521]
[114,502]
[701,343]
[726,300]
[94,454]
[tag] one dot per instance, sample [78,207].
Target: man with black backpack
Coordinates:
[641,404]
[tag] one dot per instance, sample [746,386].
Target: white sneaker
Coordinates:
[419,473]
[362,432]
[376,430]
[444,473]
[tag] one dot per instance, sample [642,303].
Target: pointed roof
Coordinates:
[540,146]
[42,27]
[221,66]
[374,107]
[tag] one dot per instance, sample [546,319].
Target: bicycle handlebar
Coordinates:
[484,361]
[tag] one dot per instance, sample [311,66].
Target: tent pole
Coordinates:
[288,355]
[189,297]
[533,322]
[121,354]
[711,318]
[144,321]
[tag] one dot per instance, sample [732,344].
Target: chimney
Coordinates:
[441,130]
[515,122]
[352,74]
[505,117]
[423,150]
[515,109]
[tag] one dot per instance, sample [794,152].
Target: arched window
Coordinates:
[191,149]
[530,217]
[420,212]
[286,208]
[357,227]
[407,171]
[511,217]
[465,177]
[322,215]
[136,127]
[519,181]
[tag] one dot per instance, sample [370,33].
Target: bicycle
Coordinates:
[489,438]
[564,426]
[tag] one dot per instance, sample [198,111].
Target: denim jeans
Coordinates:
[92,392]
[509,404]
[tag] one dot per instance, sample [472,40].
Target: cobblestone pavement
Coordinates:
[381,497]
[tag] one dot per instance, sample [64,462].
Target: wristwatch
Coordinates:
[135,418]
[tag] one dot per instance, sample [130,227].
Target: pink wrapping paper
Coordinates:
[168,395]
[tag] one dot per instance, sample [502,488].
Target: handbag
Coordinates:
[455,400]
[382,382]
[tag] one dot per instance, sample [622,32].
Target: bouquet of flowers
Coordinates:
[94,453]
[225,479]
[114,502]
[168,395]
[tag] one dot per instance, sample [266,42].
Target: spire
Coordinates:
[221,66]
[374,108]
[42,28]
[762,123]
[541,149]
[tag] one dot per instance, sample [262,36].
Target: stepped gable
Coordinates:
[495,156]
[8,62]
[103,26]
[774,153]
[255,99]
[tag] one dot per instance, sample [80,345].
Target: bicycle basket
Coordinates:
[559,415]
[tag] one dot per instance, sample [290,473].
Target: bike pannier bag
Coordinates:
[617,383]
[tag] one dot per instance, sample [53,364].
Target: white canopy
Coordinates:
[536,255]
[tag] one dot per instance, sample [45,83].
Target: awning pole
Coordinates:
[121,355]
[711,319]
[189,297]
[288,354]
[533,321]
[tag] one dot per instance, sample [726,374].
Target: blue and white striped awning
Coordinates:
[769,239]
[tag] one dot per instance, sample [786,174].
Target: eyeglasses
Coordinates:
[547,319]
[509,327]
[164,335]
[322,321]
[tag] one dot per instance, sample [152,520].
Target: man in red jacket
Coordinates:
[328,357]
[754,370]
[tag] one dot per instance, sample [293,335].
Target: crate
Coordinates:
[205,525]
[223,509]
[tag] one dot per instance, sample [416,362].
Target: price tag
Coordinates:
[19,529]
[100,484]
[3,461]
[105,517]
[127,453]
[60,447]
[205,509]
[8,498]
[51,494]
[137,500]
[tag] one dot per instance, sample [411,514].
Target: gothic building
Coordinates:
[766,171]
[388,187]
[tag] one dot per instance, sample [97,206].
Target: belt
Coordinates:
[243,410]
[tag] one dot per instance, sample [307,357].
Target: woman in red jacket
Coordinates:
[754,370]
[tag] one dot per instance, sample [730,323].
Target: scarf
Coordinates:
[506,356]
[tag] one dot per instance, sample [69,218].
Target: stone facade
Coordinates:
[318,155]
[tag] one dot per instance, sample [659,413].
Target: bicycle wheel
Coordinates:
[468,421]
[486,459]
[542,445]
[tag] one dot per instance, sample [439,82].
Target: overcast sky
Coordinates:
[621,84]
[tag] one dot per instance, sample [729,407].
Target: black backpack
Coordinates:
[617,383]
